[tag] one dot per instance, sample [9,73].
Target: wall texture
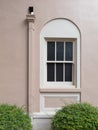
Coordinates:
[84,15]
[13,51]
[14,54]
[13,46]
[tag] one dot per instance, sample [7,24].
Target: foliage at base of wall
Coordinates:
[82,116]
[14,118]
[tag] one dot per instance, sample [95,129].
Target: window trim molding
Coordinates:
[47,34]
[57,95]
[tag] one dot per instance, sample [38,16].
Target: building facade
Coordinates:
[48,58]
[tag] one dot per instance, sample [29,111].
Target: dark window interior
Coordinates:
[68,72]
[59,72]
[51,51]
[69,51]
[60,51]
[50,72]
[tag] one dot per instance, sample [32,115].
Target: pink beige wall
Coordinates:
[13,46]
[84,14]
[13,51]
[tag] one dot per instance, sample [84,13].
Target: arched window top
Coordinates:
[61,28]
[60,55]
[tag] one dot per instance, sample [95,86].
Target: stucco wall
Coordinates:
[13,46]
[13,51]
[84,14]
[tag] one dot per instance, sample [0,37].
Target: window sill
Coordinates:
[59,90]
[58,85]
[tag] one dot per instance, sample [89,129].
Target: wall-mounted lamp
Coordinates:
[31,10]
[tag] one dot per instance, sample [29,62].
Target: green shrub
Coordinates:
[81,116]
[14,118]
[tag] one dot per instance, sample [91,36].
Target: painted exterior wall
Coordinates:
[14,48]
[13,51]
[80,13]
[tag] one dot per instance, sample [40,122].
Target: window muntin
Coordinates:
[60,58]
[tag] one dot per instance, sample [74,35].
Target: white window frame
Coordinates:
[58,29]
[68,83]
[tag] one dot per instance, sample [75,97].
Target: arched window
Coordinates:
[60,55]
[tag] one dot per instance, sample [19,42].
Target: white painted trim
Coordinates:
[30,65]
[62,85]
[78,62]
[64,95]
[58,29]
[43,115]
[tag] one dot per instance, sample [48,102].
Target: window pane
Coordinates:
[59,72]
[60,51]
[69,51]
[68,72]
[51,51]
[50,72]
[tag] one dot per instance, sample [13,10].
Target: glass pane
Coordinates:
[50,72]
[59,72]
[69,51]
[68,72]
[60,51]
[51,51]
